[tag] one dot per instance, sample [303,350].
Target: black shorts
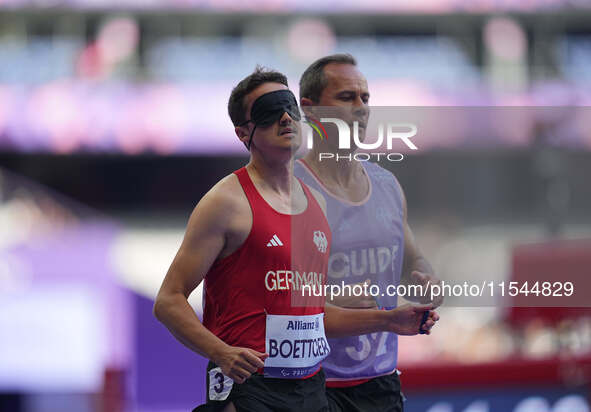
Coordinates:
[260,394]
[381,394]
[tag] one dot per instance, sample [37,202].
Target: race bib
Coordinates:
[219,385]
[296,345]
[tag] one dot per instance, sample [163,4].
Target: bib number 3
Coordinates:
[219,385]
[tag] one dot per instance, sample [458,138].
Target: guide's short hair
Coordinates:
[313,81]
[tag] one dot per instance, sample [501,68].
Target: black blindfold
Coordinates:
[268,109]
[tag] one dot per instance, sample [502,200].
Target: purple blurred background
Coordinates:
[113,125]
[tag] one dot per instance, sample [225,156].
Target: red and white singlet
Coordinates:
[254,297]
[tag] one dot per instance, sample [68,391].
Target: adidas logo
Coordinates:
[274,242]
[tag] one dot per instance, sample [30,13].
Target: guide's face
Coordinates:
[347,91]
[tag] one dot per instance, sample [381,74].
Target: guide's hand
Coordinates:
[408,319]
[426,281]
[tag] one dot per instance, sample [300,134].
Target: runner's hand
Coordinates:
[239,363]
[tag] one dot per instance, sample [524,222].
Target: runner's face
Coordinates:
[347,91]
[283,134]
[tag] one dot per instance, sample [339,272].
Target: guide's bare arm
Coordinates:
[416,268]
[403,320]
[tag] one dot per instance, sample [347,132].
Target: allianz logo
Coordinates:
[302,325]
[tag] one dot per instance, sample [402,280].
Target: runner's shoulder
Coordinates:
[223,201]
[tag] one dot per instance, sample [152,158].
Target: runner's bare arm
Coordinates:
[204,241]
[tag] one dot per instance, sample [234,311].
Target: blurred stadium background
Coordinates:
[113,124]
